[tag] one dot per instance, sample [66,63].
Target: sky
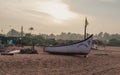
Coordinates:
[56,16]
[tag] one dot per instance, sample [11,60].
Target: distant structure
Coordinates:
[22,33]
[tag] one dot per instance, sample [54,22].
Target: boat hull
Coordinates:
[82,47]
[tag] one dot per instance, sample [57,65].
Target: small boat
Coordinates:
[82,47]
[12,52]
[15,51]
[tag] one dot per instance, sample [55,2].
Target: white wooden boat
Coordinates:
[83,47]
[15,51]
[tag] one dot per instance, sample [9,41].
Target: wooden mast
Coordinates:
[86,23]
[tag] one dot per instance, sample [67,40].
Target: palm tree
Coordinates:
[31,29]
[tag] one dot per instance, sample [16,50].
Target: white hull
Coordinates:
[82,47]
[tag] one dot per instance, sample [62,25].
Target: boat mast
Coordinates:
[86,23]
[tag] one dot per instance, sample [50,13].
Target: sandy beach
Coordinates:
[99,62]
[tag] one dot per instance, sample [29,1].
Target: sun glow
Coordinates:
[58,10]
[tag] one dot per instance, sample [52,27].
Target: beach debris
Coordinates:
[28,51]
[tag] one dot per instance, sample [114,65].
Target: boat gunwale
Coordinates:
[72,43]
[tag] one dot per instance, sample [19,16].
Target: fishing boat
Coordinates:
[82,47]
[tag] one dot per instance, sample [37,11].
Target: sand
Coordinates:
[99,62]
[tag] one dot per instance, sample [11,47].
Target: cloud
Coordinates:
[30,13]
[108,0]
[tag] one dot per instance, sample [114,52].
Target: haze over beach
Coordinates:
[56,16]
[54,37]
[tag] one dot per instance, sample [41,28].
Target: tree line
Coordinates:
[67,38]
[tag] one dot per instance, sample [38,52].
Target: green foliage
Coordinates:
[62,39]
[29,39]
[99,42]
[39,40]
[114,42]
[2,35]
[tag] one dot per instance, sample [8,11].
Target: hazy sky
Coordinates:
[56,16]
